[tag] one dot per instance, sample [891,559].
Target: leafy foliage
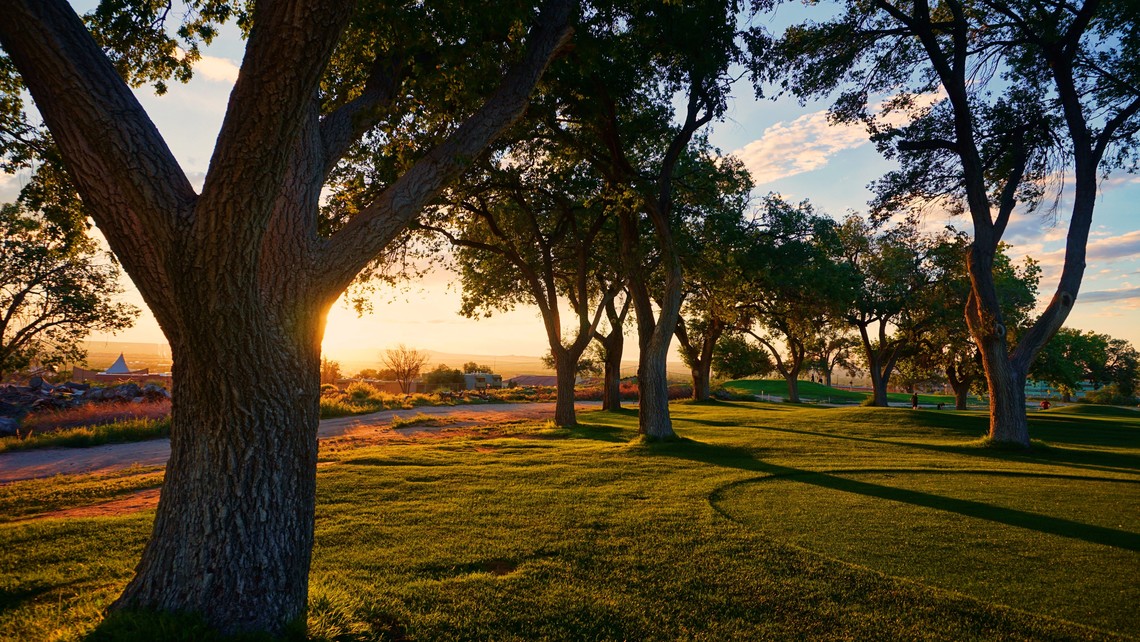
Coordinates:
[55,288]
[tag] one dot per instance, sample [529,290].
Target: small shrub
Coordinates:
[1108,395]
[360,391]
[331,408]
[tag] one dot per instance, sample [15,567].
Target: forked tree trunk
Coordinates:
[961,386]
[236,514]
[565,369]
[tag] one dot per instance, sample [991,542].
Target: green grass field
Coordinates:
[817,392]
[764,522]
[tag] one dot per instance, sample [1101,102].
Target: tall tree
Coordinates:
[947,346]
[55,288]
[891,303]
[1024,91]
[528,228]
[713,246]
[241,275]
[830,348]
[794,283]
[633,65]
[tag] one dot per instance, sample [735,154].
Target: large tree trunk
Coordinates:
[236,514]
[1008,420]
[702,374]
[793,380]
[653,418]
[565,369]
[878,382]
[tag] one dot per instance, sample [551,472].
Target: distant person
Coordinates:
[914,401]
[940,405]
[1045,405]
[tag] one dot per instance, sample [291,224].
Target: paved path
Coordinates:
[45,462]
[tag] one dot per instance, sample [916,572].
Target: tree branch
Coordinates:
[363,237]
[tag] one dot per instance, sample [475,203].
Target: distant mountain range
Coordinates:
[156,356]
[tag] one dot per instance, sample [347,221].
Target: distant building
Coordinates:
[482,380]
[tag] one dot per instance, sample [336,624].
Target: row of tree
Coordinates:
[348,121]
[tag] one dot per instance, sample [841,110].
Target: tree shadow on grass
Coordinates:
[595,432]
[744,459]
[1052,455]
[11,598]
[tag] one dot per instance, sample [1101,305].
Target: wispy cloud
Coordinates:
[802,145]
[1102,296]
[1121,246]
[808,142]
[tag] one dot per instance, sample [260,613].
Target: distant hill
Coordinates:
[156,356]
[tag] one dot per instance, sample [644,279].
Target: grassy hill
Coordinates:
[766,521]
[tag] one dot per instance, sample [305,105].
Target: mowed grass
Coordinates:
[763,522]
[817,392]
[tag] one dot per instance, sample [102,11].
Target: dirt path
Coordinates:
[31,464]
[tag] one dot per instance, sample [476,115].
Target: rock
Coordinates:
[36,382]
[9,427]
[155,392]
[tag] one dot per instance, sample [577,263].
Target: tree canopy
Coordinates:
[56,287]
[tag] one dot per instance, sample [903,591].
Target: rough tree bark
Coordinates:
[239,279]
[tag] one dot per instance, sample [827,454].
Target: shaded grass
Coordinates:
[817,392]
[763,521]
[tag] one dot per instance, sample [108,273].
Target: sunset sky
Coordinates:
[788,148]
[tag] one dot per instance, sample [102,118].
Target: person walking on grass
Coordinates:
[914,401]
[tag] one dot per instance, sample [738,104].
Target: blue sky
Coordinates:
[790,149]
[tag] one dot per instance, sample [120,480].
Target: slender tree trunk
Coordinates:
[236,515]
[611,387]
[565,367]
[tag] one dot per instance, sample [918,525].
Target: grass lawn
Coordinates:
[765,522]
[818,392]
